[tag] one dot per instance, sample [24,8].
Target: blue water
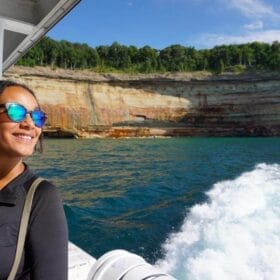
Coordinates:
[135,194]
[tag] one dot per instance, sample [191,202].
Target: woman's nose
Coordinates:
[28,122]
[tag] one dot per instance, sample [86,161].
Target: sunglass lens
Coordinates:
[16,112]
[38,118]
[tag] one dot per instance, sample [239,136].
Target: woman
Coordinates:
[45,250]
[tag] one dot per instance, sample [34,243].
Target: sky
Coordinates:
[201,24]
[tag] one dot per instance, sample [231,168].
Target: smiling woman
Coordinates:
[18,131]
[45,250]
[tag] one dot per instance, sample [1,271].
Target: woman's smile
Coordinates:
[22,136]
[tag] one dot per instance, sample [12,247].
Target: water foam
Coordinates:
[235,235]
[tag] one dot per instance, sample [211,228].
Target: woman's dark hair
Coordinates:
[8,83]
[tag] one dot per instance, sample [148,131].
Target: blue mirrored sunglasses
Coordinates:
[17,113]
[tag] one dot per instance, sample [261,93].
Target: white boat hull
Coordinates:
[114,265]
[79,263]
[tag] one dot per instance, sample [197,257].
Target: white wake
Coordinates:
[235,235]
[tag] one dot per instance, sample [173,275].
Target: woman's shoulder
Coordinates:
[47,202]
[45,190]
[45,186]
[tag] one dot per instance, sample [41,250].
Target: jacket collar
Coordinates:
[9,194]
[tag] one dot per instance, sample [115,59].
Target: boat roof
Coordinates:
[24,22]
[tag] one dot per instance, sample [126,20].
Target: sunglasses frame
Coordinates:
[31,113]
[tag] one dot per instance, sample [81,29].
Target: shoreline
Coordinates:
[160,132]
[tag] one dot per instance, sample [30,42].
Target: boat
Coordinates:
[22,25]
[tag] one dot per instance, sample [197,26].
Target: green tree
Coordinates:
[147,59]
[248,55]
[221,66]
[174,58]
[64,54]
[274,56]
[102,52]
[218,54]
[260,54]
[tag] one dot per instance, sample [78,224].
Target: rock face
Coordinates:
[91,105]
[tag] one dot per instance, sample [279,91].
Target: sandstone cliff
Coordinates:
[87,104]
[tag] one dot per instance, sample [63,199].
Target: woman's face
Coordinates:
[18,139]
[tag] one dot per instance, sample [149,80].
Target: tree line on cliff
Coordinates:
[174,58]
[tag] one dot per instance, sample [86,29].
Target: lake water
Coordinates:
[200,208]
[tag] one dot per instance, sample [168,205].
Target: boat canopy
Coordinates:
[24,22]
